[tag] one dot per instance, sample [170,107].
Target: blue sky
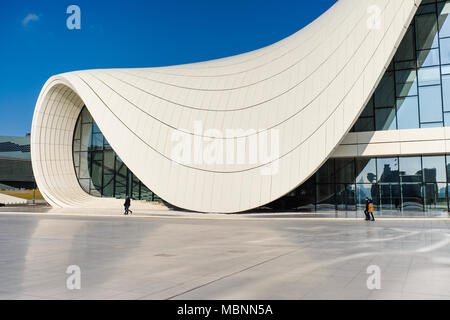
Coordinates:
[36,44]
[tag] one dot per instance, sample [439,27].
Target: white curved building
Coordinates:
[240,133]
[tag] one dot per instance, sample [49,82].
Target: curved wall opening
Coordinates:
[99,170]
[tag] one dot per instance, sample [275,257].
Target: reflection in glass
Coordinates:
[365,190]
[426,31]
[429,76]
[385,119]
[434,169]
[389,196]
[445,50]
[412,196]
[444,23]
[406,83]
[345,170]
[430,104]
[366,170]
[428,58]
[408,113]
[345,197]
[387,170]
[419,61]
[385,94]
[435,196]
[446,91]
[410,169]
[326,172]
[325,197]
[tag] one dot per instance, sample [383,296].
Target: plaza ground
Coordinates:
[180,255]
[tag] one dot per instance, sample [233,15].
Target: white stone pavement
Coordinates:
[173,255]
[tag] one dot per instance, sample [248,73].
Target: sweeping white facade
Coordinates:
[310,87]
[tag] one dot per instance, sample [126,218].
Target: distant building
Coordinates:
[15,163]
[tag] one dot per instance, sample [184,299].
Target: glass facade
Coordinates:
[396,184]
[415,90]
[100,171]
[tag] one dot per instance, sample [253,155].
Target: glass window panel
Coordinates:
[325,197]
[427,8]
[147,195]
[84,165]
[434,169]
[385,94]
[408,113]
[406,83]
[387,170]
[86,116]
[406,64]
[447,119]
[345,197]
[305,196]
[97,172]
[364,125]
[428,58]
[76,159]
[444,23]
[446,91]
[96,141]
[445,69]
[326,172]
[345,170]
[435,196]
[95,128]
[426,31]
[366,170]
[108,186]
[365,190]
[136,191]
[368,110]
[412,199]
[406,50]
[86,130]
[445,51]
[430,104]
[94,190]
[410,169]
[106,144]
[76,145]
[85,183]
[429,76]
[385,119]
[447,164]
[108,162]
[77,134]
[121,179]
[389,197]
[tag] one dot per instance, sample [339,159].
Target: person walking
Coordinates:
[127,205]
[371,217]
[366,211]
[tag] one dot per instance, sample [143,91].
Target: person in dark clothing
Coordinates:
[366,211]
[127,205]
